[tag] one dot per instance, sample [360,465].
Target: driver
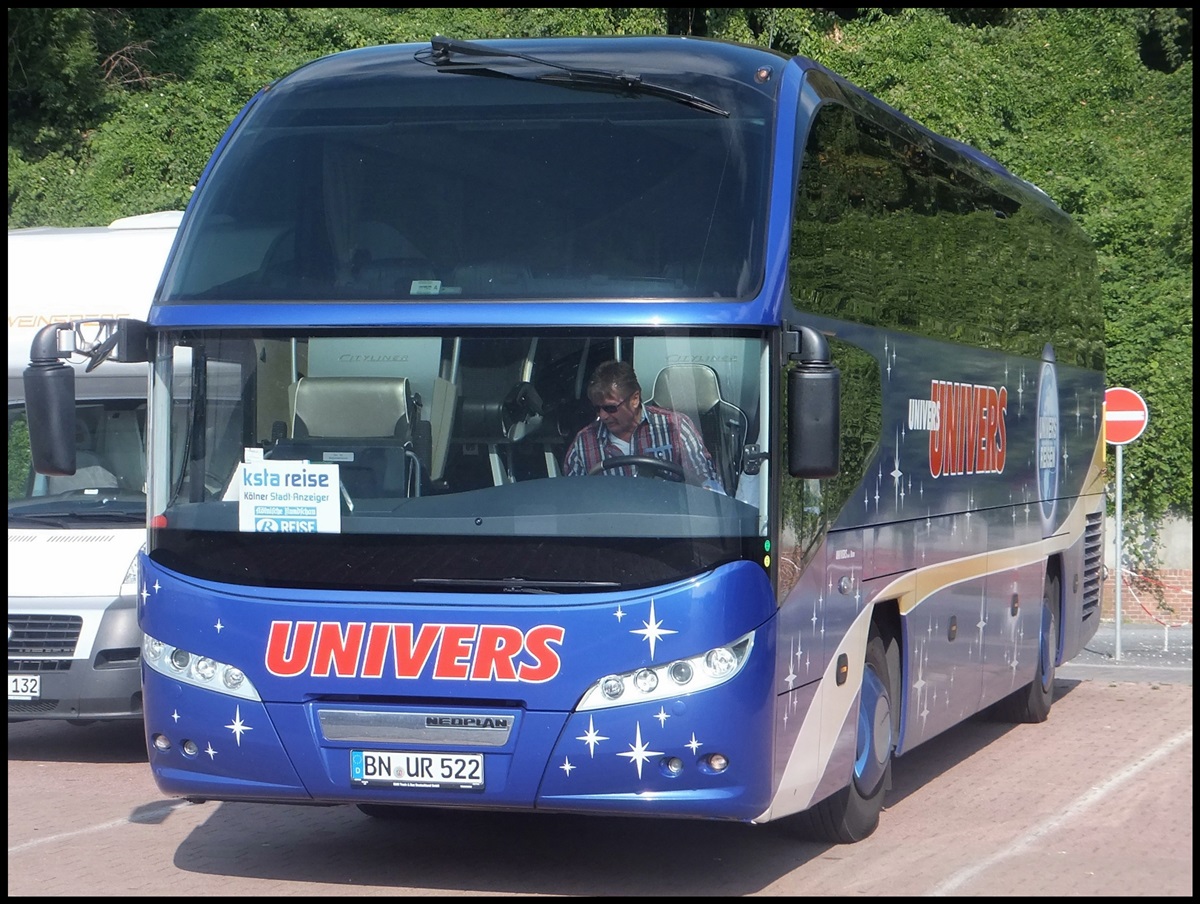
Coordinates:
[624,426]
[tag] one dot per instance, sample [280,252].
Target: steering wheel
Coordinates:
[101,353]
[667,470]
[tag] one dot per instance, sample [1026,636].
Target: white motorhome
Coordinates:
[73,638]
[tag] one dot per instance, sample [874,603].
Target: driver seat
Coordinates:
[695,390]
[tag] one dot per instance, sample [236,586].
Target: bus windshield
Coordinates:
[444,461]
[407,181]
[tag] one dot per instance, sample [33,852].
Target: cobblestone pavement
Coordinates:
[1147,653]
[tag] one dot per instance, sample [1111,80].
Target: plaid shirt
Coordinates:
[662,433]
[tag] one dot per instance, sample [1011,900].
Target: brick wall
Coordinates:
[1140,603]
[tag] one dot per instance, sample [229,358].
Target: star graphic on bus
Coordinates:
[237,726]
[653,631]
[637,753]
[592,737]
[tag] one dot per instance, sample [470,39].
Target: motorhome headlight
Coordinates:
[199,671]
[129,583]
[686,675]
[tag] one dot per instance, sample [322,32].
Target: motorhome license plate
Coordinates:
[24,687]
[417,769]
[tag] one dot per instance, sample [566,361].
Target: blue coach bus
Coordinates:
[375,574]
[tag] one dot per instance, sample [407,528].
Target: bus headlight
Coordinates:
[645,680]
[612,687]
[198,671]
[680,672]
[720,662]
[680,676]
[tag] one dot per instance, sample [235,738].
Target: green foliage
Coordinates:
[18,457]
[55,84]
[115,111]
[1065,98]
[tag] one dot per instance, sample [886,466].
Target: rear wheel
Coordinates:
[852,813]
[1032,702]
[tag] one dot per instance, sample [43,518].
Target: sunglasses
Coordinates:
[611,409]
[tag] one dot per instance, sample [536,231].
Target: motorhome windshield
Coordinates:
[109,484]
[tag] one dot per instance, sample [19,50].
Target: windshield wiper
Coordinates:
[65,519]
[519,585]
[447,55]
[35,520]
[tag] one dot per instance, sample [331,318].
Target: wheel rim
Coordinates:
[1046,649]
[874,743]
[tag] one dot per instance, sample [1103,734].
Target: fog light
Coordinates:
[161,743]
[673,765]
[717,762]
[190,748]
[612,687]
[645,680]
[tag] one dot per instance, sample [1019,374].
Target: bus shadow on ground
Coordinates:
[533,853]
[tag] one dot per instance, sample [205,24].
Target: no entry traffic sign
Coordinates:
[1125,415]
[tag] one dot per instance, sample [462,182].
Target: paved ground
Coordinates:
[1147,653]
[1095,802]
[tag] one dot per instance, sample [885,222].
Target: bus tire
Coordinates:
[1031,703]
[851,814]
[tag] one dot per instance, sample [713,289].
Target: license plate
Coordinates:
[24,687]
[417,769]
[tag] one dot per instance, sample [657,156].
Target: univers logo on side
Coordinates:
[966,424]
[1048,438]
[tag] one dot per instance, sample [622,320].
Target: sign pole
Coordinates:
[1117,595]
[1125,417]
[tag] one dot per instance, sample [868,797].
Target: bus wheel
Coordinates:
[1031,703]
[852,813]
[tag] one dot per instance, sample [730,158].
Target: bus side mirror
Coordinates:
[132,341]
[50,405]
[814,409]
